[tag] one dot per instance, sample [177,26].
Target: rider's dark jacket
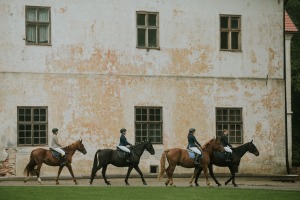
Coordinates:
[123,140]
[192,141]
[224,141]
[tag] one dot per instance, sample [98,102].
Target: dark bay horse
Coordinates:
[178,156]
[40,156]
[237,154]
[104,157]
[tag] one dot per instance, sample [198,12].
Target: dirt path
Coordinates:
[243,182]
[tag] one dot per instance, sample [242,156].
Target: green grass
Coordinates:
[141,193]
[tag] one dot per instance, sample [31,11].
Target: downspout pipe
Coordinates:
[285,96]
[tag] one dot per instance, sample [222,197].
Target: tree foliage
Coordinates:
[293,9]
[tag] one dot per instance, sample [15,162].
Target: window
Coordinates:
[147,30]
[230,119]
[38,25]
[32,126]
[230,32]
[148,124]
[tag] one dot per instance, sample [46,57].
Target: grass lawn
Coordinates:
[141,193]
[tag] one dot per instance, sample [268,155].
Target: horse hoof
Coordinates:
[108,183]
[57,183]
[197,185]
[144,183]
[219,184]
[235,185]
[76,183]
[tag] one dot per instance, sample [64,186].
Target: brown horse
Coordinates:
[40,156]
[178,156]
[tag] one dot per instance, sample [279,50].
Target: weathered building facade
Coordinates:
[157,68]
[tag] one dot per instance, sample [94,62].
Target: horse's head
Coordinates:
[149,147]
[80,147]
[252,148]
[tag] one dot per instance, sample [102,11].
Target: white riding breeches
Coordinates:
[228,149]
[124,149]
[59,150]
[196,150]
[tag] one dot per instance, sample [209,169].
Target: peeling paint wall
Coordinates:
[92,76]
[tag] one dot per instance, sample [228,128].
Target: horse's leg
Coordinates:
[169,172]
[93,174]
[38,169]
[197,176]
[58,173]
[206,175]
[69,166]
[232,171]
[128,173]
[211,173]
[141,174]
[103,174]
[193,176]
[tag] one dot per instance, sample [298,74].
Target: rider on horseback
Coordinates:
[226,145]
[193,145]
[55,145]
[123,143]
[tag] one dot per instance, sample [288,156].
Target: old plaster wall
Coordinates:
[92,75]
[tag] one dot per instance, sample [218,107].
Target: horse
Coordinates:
[216,159]
[40,156]
[179,156]
[104,157]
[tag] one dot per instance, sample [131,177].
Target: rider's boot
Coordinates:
[196,161]
[129,156]
[62,160]
[228,157]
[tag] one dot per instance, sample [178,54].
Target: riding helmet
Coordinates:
[122,130]
[54,130]
[192,130]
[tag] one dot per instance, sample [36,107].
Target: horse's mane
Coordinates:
[207,143]
[71,146]
[139,143]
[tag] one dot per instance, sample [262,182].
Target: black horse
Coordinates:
[237,154]
[105,157]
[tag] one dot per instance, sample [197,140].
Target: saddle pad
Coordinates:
[55,154]
[122,154]
[191,154]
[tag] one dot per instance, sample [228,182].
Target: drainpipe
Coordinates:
[285,96]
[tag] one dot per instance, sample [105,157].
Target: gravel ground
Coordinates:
[242,182]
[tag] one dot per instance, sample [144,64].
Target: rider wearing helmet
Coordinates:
[193,145]
[123,144]
[55,145]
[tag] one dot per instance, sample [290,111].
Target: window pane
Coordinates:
[31,33]
[141,19]
[31,15]
[43,34]
[43,16]
[224,22]
[152,38]
[235,22]
[234,40]
[224,40]
[152,19]
[141,37]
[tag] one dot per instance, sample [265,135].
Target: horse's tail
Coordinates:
[29,169]
[162,164]
[96,159]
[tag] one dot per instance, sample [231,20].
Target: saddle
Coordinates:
[221,155]
[122,154]
[55,154]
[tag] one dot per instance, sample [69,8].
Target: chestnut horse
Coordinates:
[178,156]
[40,156]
